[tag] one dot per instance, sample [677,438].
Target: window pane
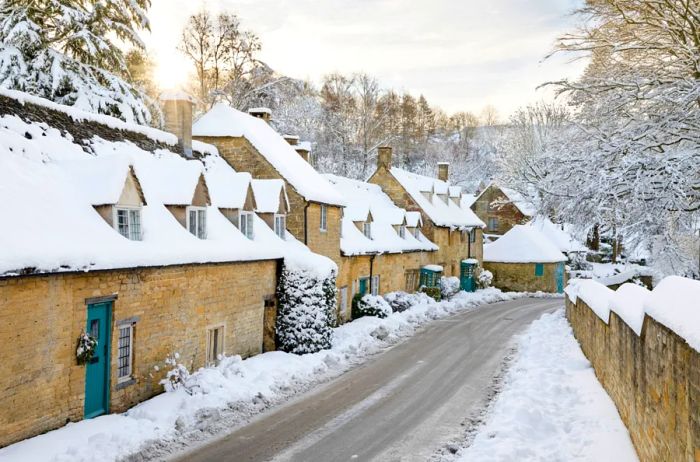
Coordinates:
[193,222]
[124,346]
[123,223]
[249,225]
[135,225]
[202,224]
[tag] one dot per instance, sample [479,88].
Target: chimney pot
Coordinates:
[177,111]
[443,171]
[384,157]
[263,113]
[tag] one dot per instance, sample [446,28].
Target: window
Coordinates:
[539,269]
[125,352]
[280,225]
[416,232]
[215,344]
[367,230]
[402,232]
[344,302]
[128,223]
[472,235]
[245,224]
[197,221]
[375,285]
[324,218]
[493,224]
[412,279]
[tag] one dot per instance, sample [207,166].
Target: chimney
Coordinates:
[177,110]
[304,150]
[293,140]
[263,113]
[443,171]
[384,157]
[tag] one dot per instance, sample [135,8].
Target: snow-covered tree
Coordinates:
[66,51]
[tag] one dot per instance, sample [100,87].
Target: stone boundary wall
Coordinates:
[654,380]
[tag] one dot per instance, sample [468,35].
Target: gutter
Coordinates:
[306,223]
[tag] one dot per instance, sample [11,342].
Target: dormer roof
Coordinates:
[102,180]
[270,196]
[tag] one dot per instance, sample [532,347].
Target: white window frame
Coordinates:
[493,220]
[416,232]
[199,211]
[130,372]
[128,209]
[374,285]
[402,231]
[210,335]
[280,230]
[323,225]
[367,230]
[248,229]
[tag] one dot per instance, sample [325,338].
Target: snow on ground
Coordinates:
[551,406]
[255,383]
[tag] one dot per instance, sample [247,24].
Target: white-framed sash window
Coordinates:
[197,221]
[127,221]
[367,230]
[245,224]
[281,225]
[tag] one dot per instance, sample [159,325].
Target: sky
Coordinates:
[460,54]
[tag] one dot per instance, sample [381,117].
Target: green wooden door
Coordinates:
[364,286]
[99,325]
[560,278]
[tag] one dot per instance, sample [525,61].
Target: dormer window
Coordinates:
[280,226]
[402,231]
[416,233]
[197,221]
[245,224]
[367,230]
[128,222]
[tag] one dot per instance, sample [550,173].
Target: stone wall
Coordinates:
[653,379]
[41,317]
[520,277]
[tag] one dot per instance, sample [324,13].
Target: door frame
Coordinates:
[109,303]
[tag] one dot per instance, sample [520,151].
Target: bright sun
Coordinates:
[171,71]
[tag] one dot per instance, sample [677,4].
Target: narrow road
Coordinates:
[402,405]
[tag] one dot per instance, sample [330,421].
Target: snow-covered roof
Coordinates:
[100,180]
[467,200]
[268,194]
[368,200]
[223,121]
[265,110]
[523,244]
[441,213]
[56,228]
[414,219]
[563,240]
[228,189]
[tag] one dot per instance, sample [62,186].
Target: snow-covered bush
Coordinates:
[485,279]
[432,292]
[370,305]
[401,301]
[86,348]
[449,285]
[178,376]
[306,313]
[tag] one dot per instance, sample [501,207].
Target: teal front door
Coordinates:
[560,278]
[364,285]
[99,325]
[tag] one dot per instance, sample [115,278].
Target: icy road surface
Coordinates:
[403,405]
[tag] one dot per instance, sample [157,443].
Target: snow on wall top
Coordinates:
[440,212]
[523,244]
[268,194]
[563,240]
[79,116]
[222,120]
[363,199]
[674,303]
[56,228]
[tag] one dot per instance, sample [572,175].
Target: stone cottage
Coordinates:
[525,260]
[380,252]
[456,230]
[135,237]
[501,208]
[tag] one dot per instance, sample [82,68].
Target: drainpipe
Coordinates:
[306,223]
[371,273]
[469,243]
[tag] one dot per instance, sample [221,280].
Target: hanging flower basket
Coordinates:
[86,348]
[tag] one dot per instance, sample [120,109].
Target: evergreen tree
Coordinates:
[63,50]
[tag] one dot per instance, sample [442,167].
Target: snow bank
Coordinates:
[628,302]
[594,294]
[258,381]
[675,303]
[551,406]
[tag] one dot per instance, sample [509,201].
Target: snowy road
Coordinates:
[401,406]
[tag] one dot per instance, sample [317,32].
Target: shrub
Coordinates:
[306,313]
[449,286]
[401,301]
[369,305]
[432,292]
[485,279]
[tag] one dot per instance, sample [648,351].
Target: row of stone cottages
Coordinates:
[156,243]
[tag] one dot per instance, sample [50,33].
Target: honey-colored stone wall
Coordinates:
[507,214]
[41,317]
[653,379]
[520,277]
